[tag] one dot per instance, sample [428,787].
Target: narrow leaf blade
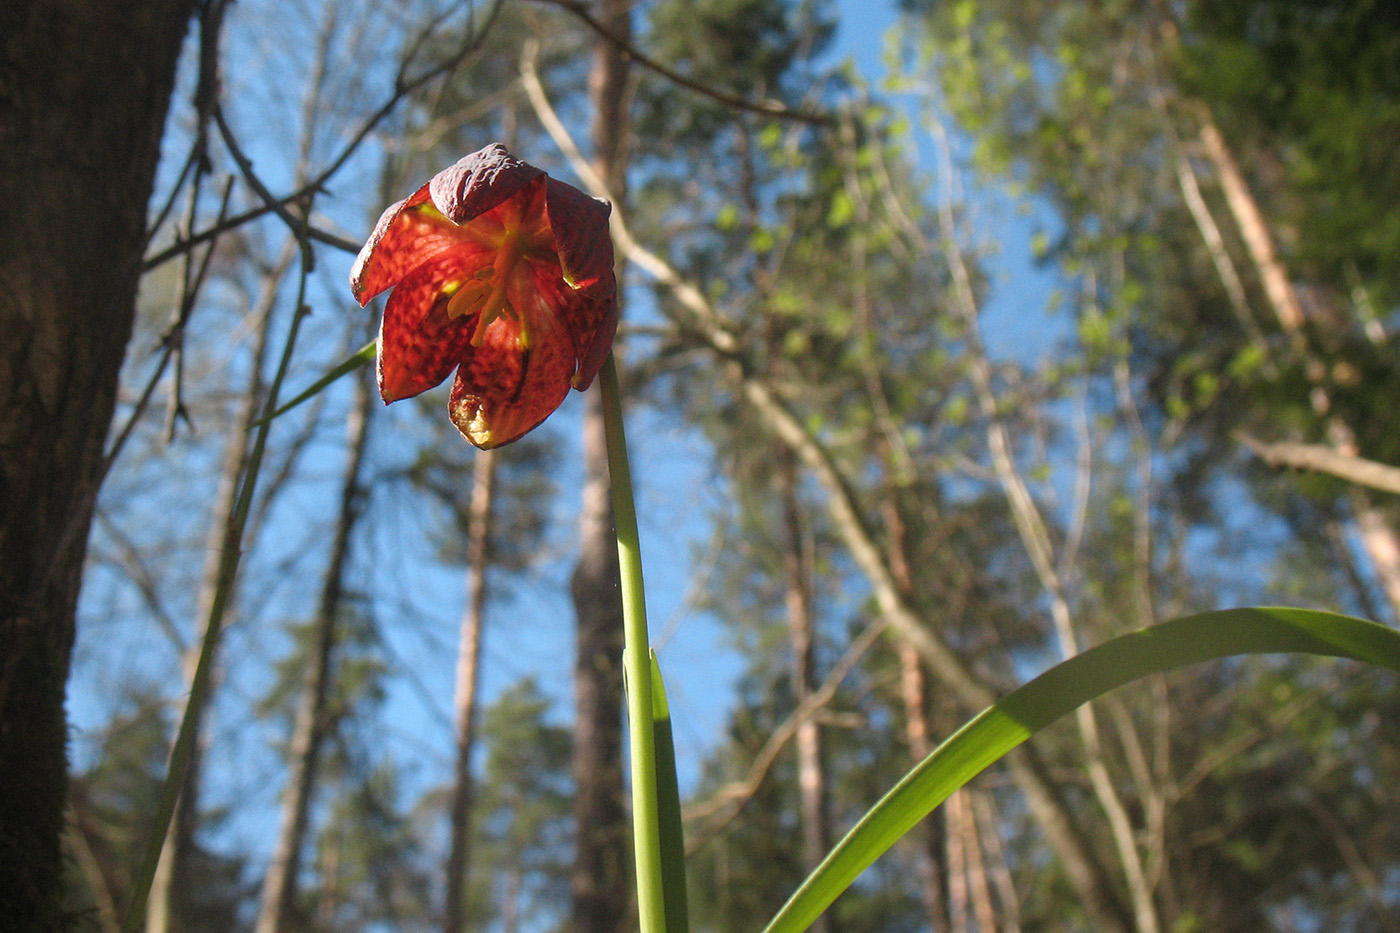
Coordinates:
[1087,676]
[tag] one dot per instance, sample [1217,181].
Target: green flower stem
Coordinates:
[636,666]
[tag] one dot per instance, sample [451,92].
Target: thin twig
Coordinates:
[731,798]
[768,108]
[169,341]
[160,216]
[402,88]
[299,226]
[191,285]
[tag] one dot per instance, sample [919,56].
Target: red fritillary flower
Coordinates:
[502,273]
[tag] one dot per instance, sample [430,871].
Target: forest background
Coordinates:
[958,337]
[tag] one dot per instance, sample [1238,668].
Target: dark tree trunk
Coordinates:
[599,881]
[84,90]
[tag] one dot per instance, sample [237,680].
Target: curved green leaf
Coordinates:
[1060,690]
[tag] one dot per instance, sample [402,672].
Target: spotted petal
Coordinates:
[504,389]
[594,341]
[418,343]
[408,234]
[580,226]
[590,322]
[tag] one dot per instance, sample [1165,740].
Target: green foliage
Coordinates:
[368,855]
[521,817]
[1314,85]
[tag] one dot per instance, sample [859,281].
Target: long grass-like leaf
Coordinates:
[1063,688]
[668,802]
[353,362]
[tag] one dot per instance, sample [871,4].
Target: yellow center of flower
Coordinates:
[487,294]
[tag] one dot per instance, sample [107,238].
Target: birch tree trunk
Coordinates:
[811,776]
[600,891]
[278,895]
[84,90]
[468,666]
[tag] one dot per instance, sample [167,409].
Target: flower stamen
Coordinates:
[495,303]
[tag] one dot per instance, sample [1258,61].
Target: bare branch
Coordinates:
[768,107]
[170,342]
[730,799]
[1319,458]
[402,88]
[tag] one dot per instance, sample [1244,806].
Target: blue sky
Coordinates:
[530,634]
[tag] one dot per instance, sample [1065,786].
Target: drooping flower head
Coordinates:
[502,273]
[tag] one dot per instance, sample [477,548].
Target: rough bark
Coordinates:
[468,666]
[84,90]
[309,729]
[601,899]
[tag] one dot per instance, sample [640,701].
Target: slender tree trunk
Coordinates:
[932,833]
[986,814]
[811,775]
[913,692]
[84,90]
[1082,865]
[1035,538]
[958,896]
[468,664]
[599,876]
[328,872]
[279,888]
[510,900]
[600,891]
[982,907]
